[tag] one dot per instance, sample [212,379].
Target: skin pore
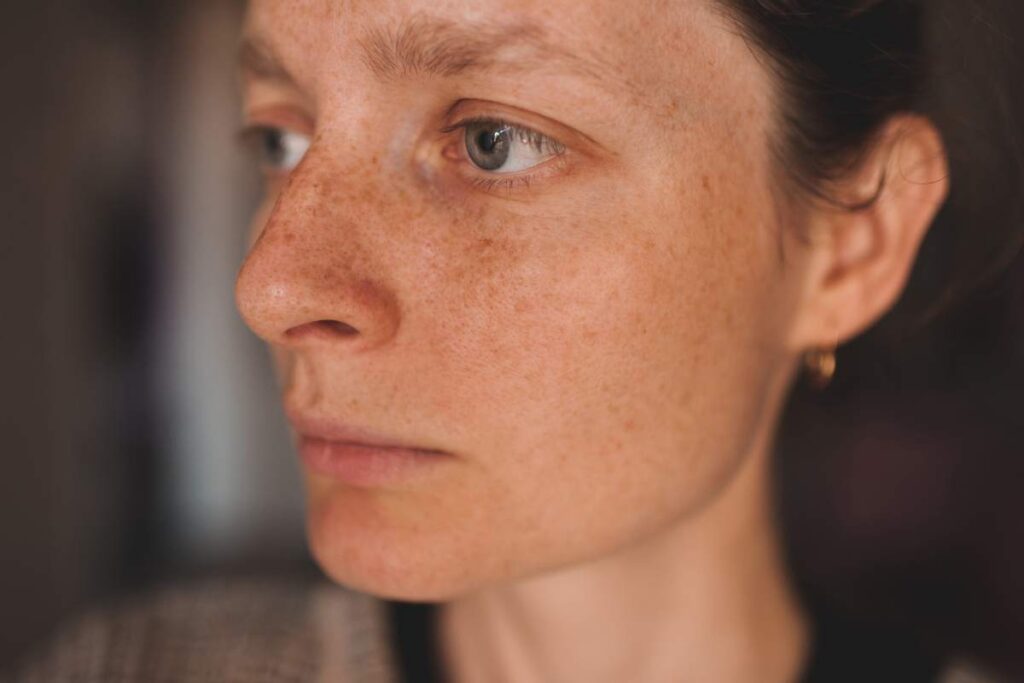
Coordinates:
[601,339]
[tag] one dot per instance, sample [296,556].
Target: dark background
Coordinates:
[141,439]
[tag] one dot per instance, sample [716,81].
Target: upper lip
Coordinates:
[331,430]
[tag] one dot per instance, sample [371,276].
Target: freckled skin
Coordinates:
[597,354]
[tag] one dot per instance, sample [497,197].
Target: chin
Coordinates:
[365,542]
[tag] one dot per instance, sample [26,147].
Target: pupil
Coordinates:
[274,147]
[488,140]
[488,145]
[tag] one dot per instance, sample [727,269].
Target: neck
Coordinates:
[707,599]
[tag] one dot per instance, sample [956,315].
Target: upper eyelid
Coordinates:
[249,133]
[463,123]
[300,124]
[280,116]
[569,135]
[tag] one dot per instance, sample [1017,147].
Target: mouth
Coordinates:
[358,456]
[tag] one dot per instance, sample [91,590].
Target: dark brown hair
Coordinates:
[844,67]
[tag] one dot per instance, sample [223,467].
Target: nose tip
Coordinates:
[307,298]
[319,272]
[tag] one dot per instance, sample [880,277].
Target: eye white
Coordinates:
[283,149]
[523,156]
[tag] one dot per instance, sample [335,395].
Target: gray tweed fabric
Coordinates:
[239,631]
[222,631]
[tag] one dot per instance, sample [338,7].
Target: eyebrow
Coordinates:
[427,46]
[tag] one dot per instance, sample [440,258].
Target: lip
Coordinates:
[332,430]
[358,456]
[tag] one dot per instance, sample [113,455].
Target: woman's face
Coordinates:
[587,312]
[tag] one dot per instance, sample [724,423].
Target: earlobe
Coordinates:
[865,254]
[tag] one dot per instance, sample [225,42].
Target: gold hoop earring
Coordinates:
[820,366]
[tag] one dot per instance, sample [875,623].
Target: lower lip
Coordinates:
[366,466]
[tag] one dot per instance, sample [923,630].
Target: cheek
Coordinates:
[597,391]
[600,389]
[640,376]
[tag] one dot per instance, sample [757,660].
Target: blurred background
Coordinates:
[141,435]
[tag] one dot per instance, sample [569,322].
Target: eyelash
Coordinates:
[493,184]
[508,183]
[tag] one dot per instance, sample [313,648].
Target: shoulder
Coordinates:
[223,631]
[965,672]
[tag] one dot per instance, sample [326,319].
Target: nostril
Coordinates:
[338,327]
[323,328]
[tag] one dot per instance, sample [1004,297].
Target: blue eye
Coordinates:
[501,147]
[279,149]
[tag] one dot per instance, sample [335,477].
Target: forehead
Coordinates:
[651,52]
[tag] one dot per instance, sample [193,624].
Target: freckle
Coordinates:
[705,182]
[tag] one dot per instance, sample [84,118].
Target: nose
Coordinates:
[310,280]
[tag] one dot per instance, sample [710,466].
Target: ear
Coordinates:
[860,259]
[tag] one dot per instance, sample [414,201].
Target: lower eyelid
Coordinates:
[510,182]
